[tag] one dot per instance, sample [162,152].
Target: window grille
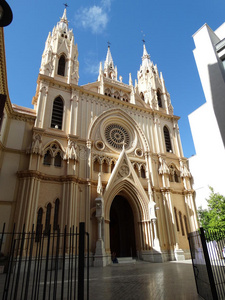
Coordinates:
[167,139]
[57,113]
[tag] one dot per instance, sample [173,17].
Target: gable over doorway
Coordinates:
[122,233]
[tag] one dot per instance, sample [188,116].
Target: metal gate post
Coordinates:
[81,262]
[208,265]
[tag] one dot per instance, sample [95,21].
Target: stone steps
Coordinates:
[126,260]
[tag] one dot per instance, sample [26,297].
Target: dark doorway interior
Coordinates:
[122,235]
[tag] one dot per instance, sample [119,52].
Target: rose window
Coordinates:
[117,136]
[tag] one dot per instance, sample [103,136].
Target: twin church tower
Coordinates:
[106,153]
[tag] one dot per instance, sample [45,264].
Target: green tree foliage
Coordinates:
[213,218]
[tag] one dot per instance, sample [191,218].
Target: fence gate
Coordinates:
[208,263]
[45,265]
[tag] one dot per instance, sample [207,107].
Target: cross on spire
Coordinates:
[143,34]
[108,44]
[66,5]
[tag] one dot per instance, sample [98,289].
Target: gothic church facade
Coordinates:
[107,153]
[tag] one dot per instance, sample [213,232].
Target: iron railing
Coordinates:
[45,265]
[208,263]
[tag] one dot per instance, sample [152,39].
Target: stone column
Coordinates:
[156,245]
[100,259]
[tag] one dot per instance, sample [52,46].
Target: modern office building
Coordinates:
[208,122]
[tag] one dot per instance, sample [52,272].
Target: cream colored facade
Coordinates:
[107,153]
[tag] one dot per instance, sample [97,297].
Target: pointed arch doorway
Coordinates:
[122,232]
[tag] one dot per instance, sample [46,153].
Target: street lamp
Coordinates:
[6,14]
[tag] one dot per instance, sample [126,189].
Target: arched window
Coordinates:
[61,65]
[104,167]
[96,166]
[47,158]
[57,113]
[176,176]
[56,215]
[175,213]
[167,139]
[58,160]
[159,98]
[142,96]
[142,172]
[39,225]
[181,223]
[48,218]
[186,225]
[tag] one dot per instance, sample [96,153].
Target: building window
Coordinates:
[143,172]
[39,225]
[56,215]
[96,166]
[181,223]
[176,220]
[47,158]
[57,113]
[48,219]
[167,139]
[142,96]
[186,225]
[104,167]
[58,160]
[159,98]
[174,175]
[62,65]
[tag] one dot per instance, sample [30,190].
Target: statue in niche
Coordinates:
[36,144]
[99,187]
[163,168]
[71,151]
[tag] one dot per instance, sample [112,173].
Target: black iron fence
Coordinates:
[208,263]
[45,265]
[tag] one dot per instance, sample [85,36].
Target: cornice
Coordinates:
[54,178]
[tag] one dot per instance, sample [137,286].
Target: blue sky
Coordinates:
[167,27]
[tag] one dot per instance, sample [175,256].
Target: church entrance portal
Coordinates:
[122,234]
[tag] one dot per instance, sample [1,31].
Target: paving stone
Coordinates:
[143,280]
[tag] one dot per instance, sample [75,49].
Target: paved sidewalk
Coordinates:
[143,280]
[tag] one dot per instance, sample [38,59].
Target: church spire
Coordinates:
[109,60]
[146,62]
[59,59]
[63,23]
[109,70]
